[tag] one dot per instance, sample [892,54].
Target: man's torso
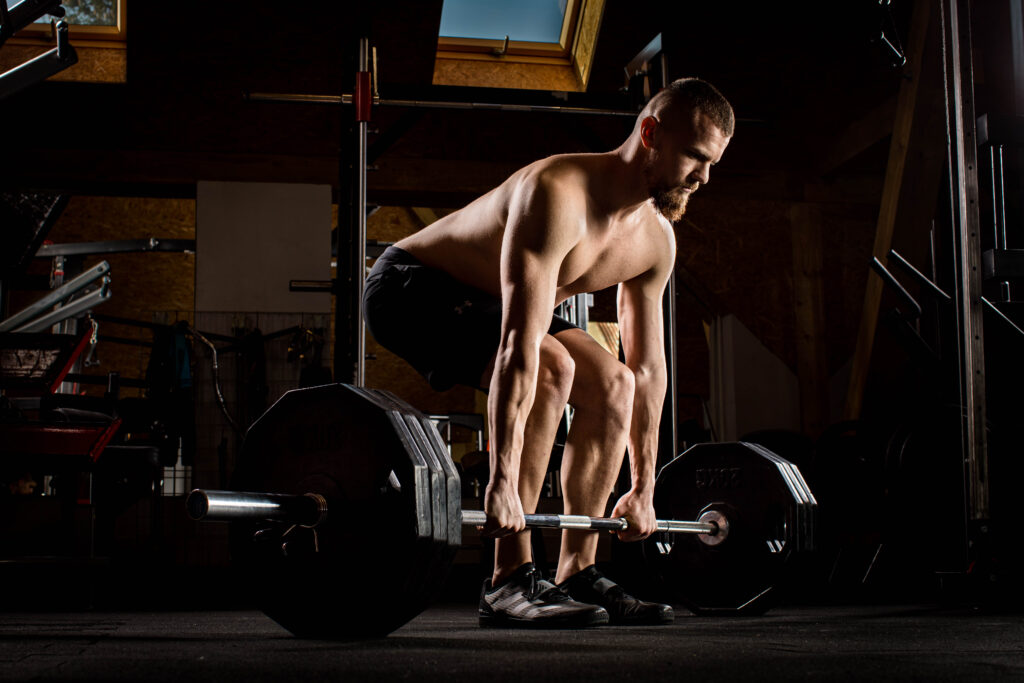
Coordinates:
[614,246]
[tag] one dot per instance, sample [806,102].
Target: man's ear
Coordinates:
[648,131]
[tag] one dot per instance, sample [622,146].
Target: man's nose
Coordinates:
[703,173]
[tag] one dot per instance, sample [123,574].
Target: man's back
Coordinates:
[611,243]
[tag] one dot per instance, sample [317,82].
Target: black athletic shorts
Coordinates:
[447,330]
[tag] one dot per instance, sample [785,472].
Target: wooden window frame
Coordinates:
[518,50]
[83,36]
[574,52]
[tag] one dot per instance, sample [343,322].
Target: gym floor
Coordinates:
[445,643]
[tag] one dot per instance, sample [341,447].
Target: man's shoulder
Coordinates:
[560,170]
[566,178]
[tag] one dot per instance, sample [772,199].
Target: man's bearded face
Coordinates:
[669,199]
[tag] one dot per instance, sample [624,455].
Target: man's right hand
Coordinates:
[504,511]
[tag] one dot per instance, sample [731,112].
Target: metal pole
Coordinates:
[359,273]
[963,164]
[62,292]
[63,313]
[350,339]
[348,98]
[670,413]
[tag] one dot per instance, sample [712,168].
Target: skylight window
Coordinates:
[87,13]
[534,21]
[101,23]
[533,44]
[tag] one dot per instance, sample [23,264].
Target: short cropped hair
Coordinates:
[693,93]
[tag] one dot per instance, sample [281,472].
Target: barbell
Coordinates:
[310,510]
[346,515]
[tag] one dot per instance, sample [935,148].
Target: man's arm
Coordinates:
[544,223]
[641,325]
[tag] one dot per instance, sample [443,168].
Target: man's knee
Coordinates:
[556,373]
[613,397]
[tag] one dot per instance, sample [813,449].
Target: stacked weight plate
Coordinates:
[389,538]
[771,515]
[804,516]
[444,509]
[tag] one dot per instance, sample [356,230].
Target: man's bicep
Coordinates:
[528,286]
[641,323]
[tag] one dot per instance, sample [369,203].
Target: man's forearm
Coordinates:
[648,398]
[511,395]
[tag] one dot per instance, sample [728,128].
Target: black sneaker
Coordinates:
[526,600]
[592,586]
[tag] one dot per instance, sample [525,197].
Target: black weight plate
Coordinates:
[454,519]
[348,579]
[434,570]
[428,569]
[803,536]
[757,494]
[454,489]
[433,444]
[454,484]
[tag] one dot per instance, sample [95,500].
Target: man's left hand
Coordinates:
[638,509]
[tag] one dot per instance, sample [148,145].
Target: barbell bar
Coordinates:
[310,509]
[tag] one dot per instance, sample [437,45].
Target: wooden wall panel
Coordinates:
[95,64]
[504,74]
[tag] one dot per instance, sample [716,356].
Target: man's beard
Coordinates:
[670,202]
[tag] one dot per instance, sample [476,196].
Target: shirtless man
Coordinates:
[469,300]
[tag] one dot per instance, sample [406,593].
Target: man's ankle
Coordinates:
[571,567]
[502,573]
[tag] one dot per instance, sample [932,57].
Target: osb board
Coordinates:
[95,64]
[141,283]
[504,74]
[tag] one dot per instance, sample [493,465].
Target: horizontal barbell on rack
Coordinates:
[357,516]
[310,509]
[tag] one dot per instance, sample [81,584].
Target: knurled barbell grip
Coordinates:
[479,518]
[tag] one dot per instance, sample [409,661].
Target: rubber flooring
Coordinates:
[446,644]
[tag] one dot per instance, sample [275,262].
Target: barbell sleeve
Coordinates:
[307,510]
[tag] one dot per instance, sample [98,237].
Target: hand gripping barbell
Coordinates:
[346,516]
